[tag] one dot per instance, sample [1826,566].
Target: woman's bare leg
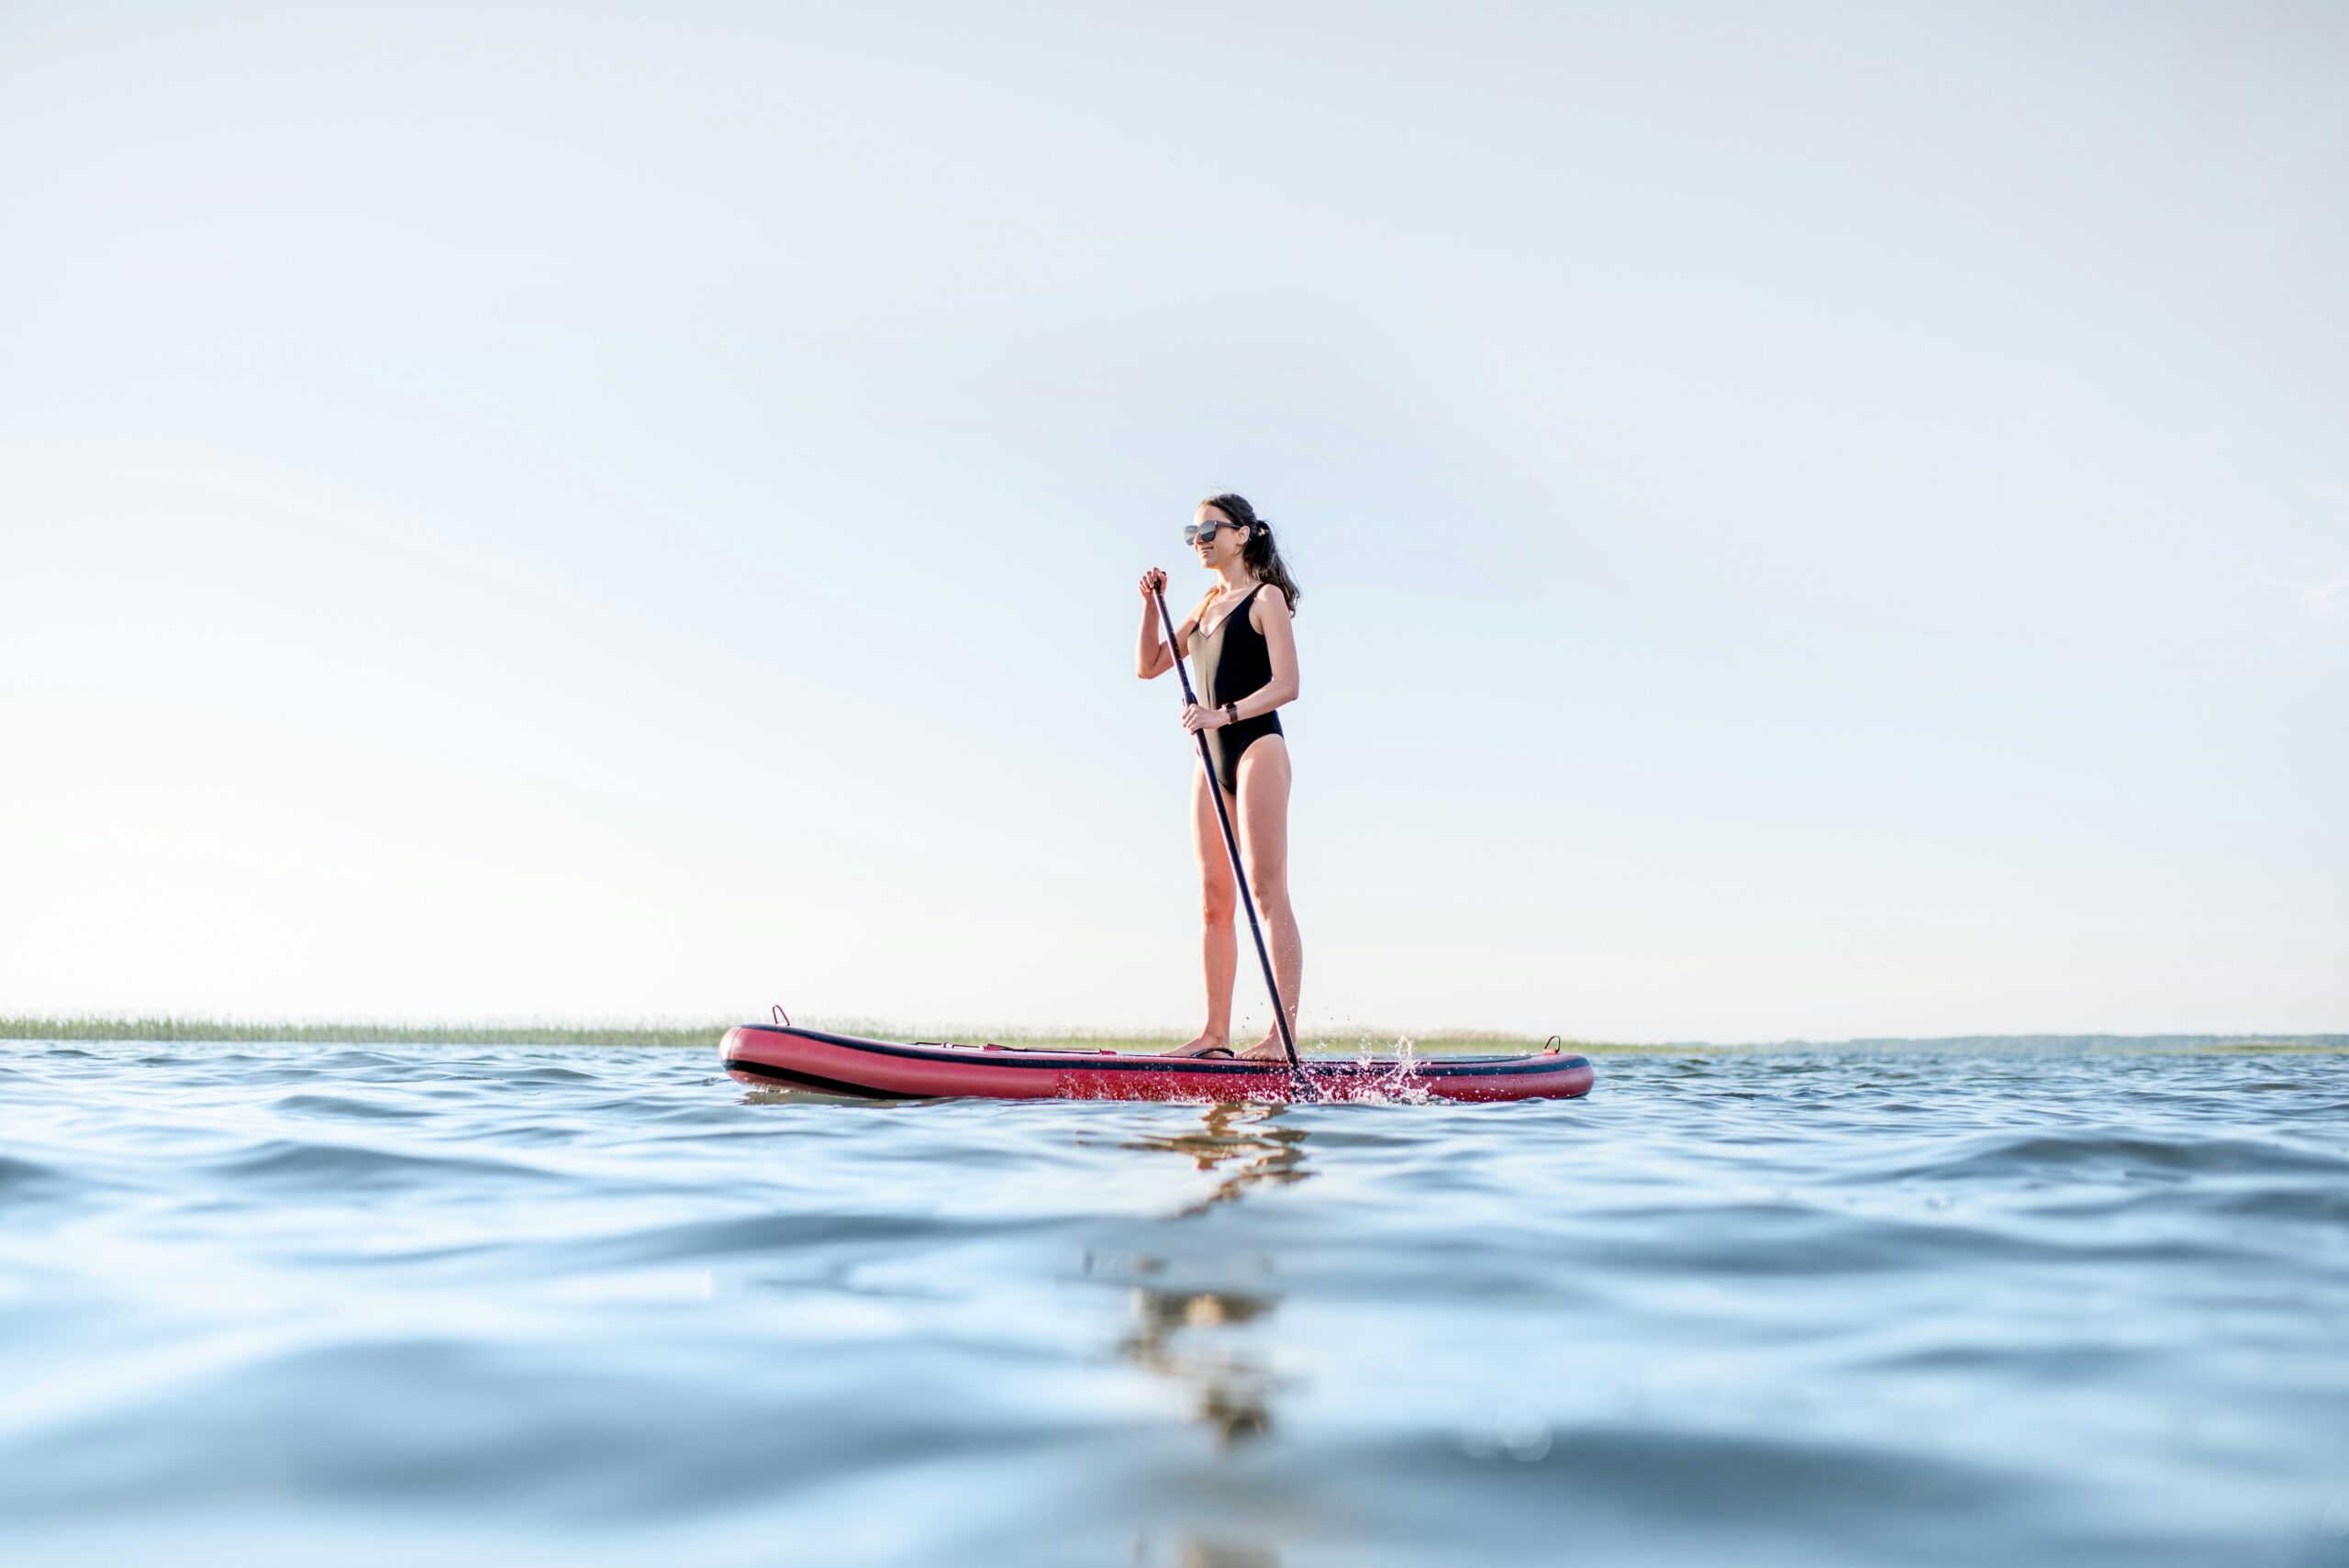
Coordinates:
[1263,820]
[1219,901]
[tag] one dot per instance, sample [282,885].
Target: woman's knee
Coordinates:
[1219,902]
[1268,878]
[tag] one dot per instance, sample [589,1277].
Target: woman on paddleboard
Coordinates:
[1245,655]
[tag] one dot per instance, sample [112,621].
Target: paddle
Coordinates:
[1231,843]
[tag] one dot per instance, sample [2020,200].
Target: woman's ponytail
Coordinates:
[1261,556]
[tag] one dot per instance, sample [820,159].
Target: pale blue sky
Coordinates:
[1814,520]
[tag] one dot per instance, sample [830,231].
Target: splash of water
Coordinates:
[1394,1080]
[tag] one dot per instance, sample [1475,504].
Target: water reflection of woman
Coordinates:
[1177,1331]
[1267,1151]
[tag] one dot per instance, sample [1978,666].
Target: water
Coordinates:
[536,1306]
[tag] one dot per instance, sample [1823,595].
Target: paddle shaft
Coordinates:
[1231,838]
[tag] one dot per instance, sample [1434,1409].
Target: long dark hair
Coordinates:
[1260,554]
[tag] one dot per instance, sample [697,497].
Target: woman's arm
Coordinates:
[1151,658]
[1270,614]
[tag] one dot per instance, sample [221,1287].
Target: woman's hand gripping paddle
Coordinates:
[1232,845]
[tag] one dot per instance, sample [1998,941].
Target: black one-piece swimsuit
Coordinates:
[1233,662]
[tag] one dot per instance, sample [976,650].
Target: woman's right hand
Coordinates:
[1154,583]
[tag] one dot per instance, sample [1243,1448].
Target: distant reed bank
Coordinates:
[704,1035]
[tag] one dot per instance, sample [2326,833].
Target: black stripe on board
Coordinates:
[1006,1056]
[823,1086]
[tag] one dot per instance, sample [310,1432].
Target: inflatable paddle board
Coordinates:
[787,1057]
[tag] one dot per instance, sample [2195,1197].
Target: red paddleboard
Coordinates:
[791,1058]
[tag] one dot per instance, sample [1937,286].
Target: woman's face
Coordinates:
[1229,541]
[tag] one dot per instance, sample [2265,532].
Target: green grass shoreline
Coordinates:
[704,1036]
[696,1036]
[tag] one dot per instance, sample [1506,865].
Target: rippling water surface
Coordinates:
[532,1305]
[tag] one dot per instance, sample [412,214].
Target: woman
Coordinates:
[1245,662]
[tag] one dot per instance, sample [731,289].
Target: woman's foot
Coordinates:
[1205,1045]
[1268,1049]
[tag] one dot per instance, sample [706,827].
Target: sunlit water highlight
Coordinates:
[360,1305]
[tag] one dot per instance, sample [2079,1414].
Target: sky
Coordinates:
[1814,521]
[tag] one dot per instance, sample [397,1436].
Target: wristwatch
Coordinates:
[1231,713]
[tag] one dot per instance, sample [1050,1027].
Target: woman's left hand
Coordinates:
[1195,718]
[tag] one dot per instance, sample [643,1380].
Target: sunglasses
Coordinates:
[1204,533]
